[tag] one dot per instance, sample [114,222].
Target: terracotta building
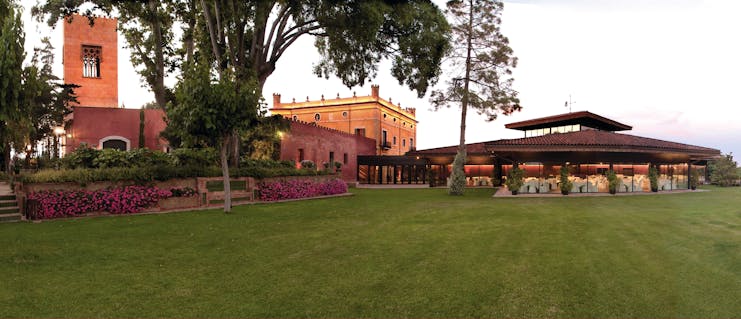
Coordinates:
[307,141]
[392,127]
[91,61]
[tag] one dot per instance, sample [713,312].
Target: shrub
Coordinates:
[82,157]
[653,177]
[195,157]
[458,175]
[566,184]
[337,166]
[307,164]
[145,157]
[694,179]
[293,189]
[123,200]
[612,182]
[514,180]
[111,157]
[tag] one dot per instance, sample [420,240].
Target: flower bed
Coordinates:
[123,200]
[300,188]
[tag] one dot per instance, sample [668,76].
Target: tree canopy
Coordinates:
[482,53]
[12,38]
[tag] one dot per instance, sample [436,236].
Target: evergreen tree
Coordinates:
[12,38]
[484,55]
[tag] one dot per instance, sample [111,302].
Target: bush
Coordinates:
[183,192]
[694,179]
[458,176]
[195,157]
[653,178]
[300,189]
[612,181]
[111,157]
[124,200]
[307,164]
[566,184]
[514,180]
[82,157]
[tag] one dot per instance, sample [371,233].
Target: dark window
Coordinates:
[300,154]
[317,117]
[91,61]
[411,142]
[403,142]
[394,139]
[360,131]
[331,158]
[344,114]
[116,144]
[344,158]
[295,118]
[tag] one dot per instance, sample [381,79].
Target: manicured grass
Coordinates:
[388,253]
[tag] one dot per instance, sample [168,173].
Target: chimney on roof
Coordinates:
[374,91]
[276,99]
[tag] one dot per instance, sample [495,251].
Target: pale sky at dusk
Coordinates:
[669,68]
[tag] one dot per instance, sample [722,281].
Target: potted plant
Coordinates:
[694,179]
[338,166]
[565,183]
[612,182]
[653,177]
[514,180]
[432,177]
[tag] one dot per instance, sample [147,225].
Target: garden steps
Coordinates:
[9,211]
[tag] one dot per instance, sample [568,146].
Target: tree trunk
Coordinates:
[159,60]
[466,79]
[223,150]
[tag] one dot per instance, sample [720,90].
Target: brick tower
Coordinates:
[91,60]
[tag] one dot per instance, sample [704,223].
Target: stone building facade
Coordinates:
[392,127]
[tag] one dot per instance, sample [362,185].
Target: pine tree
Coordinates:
[480,49]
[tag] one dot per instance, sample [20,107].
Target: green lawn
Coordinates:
[388,253]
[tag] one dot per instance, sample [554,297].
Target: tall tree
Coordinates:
[46,100]
[209,109]
[12,38]
[482,52]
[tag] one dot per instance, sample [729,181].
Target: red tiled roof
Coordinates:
[473,148]
[581,116]
[578,141]
[587,140]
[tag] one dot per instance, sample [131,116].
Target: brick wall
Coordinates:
[91,124]
[99,91]
[317,142]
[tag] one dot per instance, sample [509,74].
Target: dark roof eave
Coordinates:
[600,148]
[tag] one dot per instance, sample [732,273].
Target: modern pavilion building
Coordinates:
[590,144]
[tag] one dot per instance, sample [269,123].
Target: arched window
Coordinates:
[116,142]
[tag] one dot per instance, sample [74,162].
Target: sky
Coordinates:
[669,68]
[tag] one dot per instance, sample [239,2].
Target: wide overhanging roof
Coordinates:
[583,118]
[581,141]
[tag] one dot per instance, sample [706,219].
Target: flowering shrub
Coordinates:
[300,189]
[124,200]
